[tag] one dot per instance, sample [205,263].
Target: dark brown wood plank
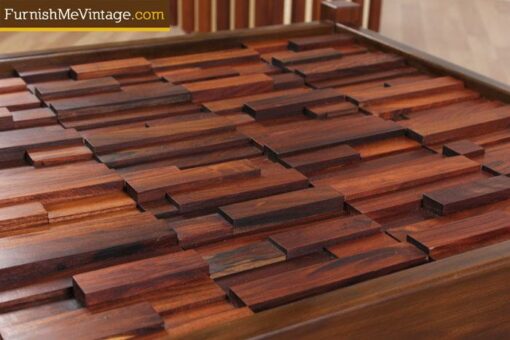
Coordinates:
[14,84]
[189,75]
[204,15]
[282,207]
[78,244]
[323,158]
[330,110]
[198,231]
[49,91]
[269,183]
[242,14]
[469,195]
[147,185]
[319,41]
[290,104]
[22,216]
[128,321]
[348,66]
[110,68]
[291,286]
[463,147]
[58,155]
[222,15]
[318,235]
[459,236]
[244,258]
[310,56]
[219,58]
[109,284]
[211,90]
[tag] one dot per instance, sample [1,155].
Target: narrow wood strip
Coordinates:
[109,284]
[469,195]
[51,91]
[320,159]
[22,216]
[110,68]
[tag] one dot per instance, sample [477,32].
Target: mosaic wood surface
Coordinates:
[159,194]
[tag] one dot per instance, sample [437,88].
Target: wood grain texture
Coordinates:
[51,91]
[146,275]
[284,206]
[309,43]
[110,68]
[279,289]
[323,158]
[228,57]
[148,185]
[22,215]
[78,244]
[244,258]
[469,195]
[57,156]
[14,84]
[330,110]
[315,236]
[211,90]
[456,237]
[81,324]
[464,148]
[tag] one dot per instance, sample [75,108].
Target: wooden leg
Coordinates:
[374,15]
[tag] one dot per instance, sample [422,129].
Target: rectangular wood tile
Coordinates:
[459,236]
[244,258]
[150,185]
[198,231]
[469,195]
[284,206]
[59,155]
[309,56]
[330,110]
[269,183]
[191,75]
[154,273]
[14,84]
[290,104]
[318,235]
[110,68]
[51,91]
[77,244]
[323,158]
[217,58]
[210,90]
[313,42]
[22,216]
[300,283]
[128,321]
[348,66]
[320,134]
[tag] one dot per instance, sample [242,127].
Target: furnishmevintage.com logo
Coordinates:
[93,15]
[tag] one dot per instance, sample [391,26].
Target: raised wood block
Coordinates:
[342,12]
[211,90]
[352,65]
[457,124]
[219,58]
[269,183]
[110,68]
[198,231]
[283,288]
[459,236]
[290,104]
[56,183]
[321,159]
[330,110]
[463,147]
[236,104]
[310,56]
[59,155]
[287,81]
[44,74]
[282,207]
[248,257]
[410,90]
[137,97]
[398,178]
[33,118]
[400,108]
[6,119]
[78,244]
[80,324]
[49,91]
[19,101]
[148,185]
[364,77]
[320,41]
[15,84]
[318,235]
[469,195]
[110,284]
[22,216]
[321,134]
[191,75]
[107,141]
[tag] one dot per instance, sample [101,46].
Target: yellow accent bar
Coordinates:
[85,29]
